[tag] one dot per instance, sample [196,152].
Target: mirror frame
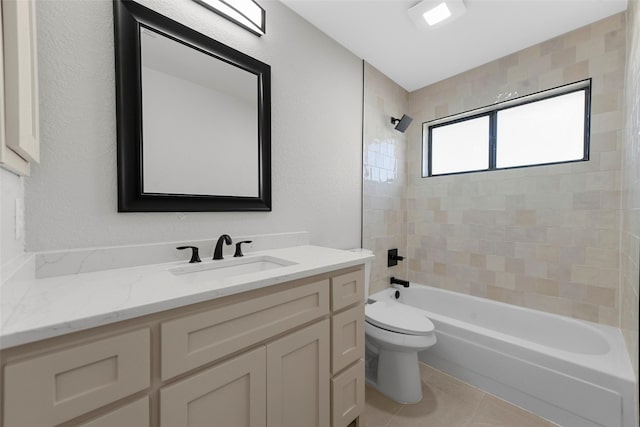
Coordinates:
[128,18]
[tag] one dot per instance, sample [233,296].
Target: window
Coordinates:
[468,137]
[544,128]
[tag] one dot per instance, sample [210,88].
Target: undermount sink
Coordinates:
[218,269]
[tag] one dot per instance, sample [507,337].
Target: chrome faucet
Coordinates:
[217,253]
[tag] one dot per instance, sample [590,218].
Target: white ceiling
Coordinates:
[380,32]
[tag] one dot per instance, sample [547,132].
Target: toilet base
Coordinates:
[399,376]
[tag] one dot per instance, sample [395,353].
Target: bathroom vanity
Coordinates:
[282,347]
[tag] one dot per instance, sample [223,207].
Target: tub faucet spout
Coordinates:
[395,281]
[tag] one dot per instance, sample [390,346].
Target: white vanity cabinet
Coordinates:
[285,355]
[19,116]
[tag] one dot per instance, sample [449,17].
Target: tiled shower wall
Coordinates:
[384,175]
[630,223]
[544,237]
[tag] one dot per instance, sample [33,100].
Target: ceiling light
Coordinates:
[245,13]
[435,13]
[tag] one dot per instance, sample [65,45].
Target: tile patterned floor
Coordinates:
[447,402]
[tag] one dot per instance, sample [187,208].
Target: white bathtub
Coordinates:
[572,372]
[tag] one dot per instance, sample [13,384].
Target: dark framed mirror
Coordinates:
[193,119]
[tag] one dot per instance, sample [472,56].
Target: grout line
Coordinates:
[475,410]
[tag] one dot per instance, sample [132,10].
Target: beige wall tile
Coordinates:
[602,257]
[589,48]
[384,177]
[529,236]
[495,263]
[585,274]
[575,72]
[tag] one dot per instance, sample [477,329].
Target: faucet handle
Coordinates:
[194,253]
[239,248]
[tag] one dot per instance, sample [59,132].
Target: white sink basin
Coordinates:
[219,269]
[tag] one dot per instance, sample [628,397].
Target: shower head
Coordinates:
[402,123]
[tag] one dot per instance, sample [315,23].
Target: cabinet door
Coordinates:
[135,414]
[298,378]
[229,394]
[8,158]
[21,78]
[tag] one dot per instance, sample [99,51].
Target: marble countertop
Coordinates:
[59,305]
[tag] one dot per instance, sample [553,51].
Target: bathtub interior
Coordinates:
[573,384]
[551,330]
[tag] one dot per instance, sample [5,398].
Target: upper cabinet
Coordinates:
[19,118]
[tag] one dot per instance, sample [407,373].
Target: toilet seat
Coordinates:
[399,318]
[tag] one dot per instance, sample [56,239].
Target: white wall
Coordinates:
[316,132]
[11,188]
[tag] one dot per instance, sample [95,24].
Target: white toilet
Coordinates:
[395,333]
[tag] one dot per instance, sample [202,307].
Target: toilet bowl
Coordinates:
[394,334]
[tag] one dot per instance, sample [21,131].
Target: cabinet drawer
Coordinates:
[195,340]
[232,393]
[134,414]
[347,289]
[51,389]
[347,395]
[347,338]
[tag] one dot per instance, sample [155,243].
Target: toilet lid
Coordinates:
[397,317]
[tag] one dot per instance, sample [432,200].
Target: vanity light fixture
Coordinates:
[246,13]
[435,13]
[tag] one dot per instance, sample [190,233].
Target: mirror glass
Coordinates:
[194,131]
[194,103]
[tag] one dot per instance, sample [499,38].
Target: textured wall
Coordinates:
[316,132]
[11,188]
[384,175]
[630,223]
[544,237]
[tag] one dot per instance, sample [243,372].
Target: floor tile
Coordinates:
[434,411]
[495,412]
[446,402]
[378,409]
